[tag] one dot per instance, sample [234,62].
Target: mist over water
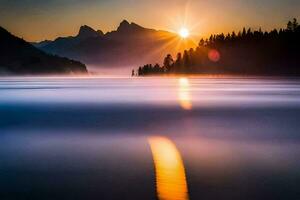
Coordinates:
[101,138]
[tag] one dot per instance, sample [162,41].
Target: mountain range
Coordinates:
[128,46]
[20,57]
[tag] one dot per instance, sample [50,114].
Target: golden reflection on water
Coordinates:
[171,181]
[184,94]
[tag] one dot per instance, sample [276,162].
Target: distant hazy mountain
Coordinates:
[20,57]
[130,45]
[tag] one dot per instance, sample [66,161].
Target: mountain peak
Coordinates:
[100,32]
[124,23]
[86,32]
[126,26]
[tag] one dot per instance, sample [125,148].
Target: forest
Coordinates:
[247,52]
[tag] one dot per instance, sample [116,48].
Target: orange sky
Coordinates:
[36,20]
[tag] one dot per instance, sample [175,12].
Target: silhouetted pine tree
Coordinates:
[178,63]
[168,63]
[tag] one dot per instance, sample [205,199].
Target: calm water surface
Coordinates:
[149,138]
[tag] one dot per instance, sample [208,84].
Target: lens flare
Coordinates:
[214,55]
[171,183]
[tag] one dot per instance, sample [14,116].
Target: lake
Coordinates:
[149,138]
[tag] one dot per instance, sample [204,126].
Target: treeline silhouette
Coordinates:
[247,52]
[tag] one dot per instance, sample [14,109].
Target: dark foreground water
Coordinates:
[150,138]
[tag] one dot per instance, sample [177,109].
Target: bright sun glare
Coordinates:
[184,32]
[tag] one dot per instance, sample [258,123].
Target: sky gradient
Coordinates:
[36,20]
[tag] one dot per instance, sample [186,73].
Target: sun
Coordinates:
[184,32]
